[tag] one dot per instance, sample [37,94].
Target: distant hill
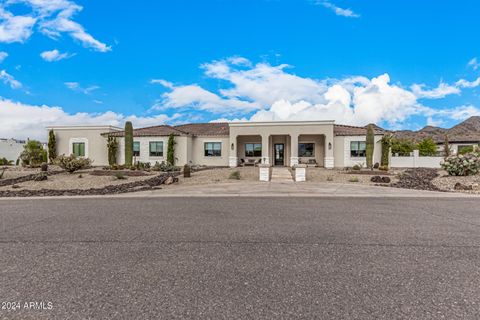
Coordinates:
[466,131]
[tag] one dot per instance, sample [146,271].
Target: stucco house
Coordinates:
[11,149]
[281,143]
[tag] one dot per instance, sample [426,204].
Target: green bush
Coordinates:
[144,166]
[427,147]
[71,163]
[462,164]
[353,179]
[235,175]
[402,147]
[164,167]
[52,146]
[5,162]
[120,176]
[370,145]
[357,167]
[465,149]
[33,154]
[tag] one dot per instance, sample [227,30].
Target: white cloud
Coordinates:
[468,84]
[3,56]
[473,64]
[75,86]
[166,84]
[53,18]
[55,55]
[265,92]
[29,121]
[337,10]
[15,28]
[441,91]
[9,80]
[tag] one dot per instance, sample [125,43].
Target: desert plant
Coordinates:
[386,145]
[465,149]
[44,167]
[120,176]
[427,147]
[165,167]
[462,164]
[402,147]
[2,173]
[383,168]
[80,176]
[370,145]
[446,146]
[33,154]
[353,179]
[186,171]
[235,175]
[71,163]
[52,146]
[5,162]
[112,146]
[144,166]
[17,163]
[357,167]
[128,144]
[171,149]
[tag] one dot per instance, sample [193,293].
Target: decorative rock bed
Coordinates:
[148,184]
[418,179]
[29,177]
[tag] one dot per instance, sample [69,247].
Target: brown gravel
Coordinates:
[217,175]
[341,176]
[447,183]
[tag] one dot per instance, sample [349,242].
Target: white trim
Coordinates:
[71,141]
[84,128]
[280,123]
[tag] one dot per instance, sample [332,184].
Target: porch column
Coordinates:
[233,159]
[265,149]
[293,150]
[328,161]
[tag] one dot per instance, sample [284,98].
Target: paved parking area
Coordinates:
[241,257]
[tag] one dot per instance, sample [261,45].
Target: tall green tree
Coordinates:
[128,144]
[171,150]
[427,147]
[52,146]
[446,146]
[370,145]
[33,154]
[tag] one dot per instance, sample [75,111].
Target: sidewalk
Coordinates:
[290,189]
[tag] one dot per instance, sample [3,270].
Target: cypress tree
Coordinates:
[171,150]
[370,146]
[128,144]
[52,146]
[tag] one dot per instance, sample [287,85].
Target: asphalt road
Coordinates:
[241,258]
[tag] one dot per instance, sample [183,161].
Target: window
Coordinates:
[156,148]
[357,148]
[213,149]
[136,148]
[253,149]
[79,149]
[306,149]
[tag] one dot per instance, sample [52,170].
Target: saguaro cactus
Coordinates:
[370,146]
[386,144]
[128,144]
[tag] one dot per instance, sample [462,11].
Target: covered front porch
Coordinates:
[281,144]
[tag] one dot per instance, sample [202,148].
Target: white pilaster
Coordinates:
[329,162]
[293,161]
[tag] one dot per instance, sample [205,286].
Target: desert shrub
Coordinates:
[6,162]
[33,154]
[427,147]
[235,175]
[120,176]
[2,173]
[462,164]
[72,163]
[465,149]
[144,166]
[402,147]
[52,146]
[383,168]
[165,167]
[44,167]
[353,179]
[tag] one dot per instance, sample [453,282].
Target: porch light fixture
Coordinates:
[329,146]
[232,146]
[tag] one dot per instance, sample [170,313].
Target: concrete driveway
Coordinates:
[241,258]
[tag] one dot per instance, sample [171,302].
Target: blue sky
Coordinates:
[401,64]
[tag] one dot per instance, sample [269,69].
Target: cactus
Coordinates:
[112,147]
[128,144]
[446,147]
[386,144]
[370,146]
[52,146]
[171,150]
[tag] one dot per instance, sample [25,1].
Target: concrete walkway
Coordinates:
[281,175]
[293,189]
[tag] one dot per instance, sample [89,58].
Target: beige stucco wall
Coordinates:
[319,147]
[342,151]
[95,143]
[198,151]
[241,141]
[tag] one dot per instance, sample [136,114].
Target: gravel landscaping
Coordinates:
[343,176]
[217,175]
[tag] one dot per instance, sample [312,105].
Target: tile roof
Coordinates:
[206,129]
[343,130]
[155,131]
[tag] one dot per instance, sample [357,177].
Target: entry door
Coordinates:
[279,151]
